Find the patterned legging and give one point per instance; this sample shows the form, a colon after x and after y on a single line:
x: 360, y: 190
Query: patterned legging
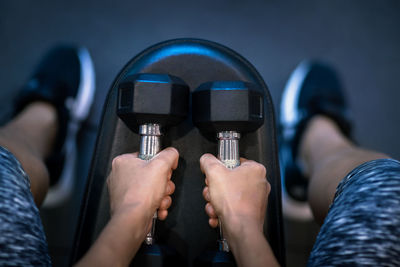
x: 361, y: 228
x: 22, y: 239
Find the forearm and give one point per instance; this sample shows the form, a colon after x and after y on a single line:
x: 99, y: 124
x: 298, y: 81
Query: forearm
x: 249, y: 246
x: 119, y: 241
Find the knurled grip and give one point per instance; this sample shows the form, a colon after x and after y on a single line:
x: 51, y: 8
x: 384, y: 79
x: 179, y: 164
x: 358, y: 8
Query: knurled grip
x: 228, y: 154
x: 150, y: 145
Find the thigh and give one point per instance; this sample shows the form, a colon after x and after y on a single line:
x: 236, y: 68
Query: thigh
x: 363, y: 223
x: 22, y: 239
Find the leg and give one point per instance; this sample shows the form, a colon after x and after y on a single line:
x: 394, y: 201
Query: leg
x: 30, y: 137
x: 51, y: 107
x: 22, y: 241
x: 362, y: 225
x: 328, y: 156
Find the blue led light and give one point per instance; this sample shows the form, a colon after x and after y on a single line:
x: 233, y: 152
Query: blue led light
x: 228, y: 89
x: 151, y: 81
x: 180, y: 49
x: 175, y: 50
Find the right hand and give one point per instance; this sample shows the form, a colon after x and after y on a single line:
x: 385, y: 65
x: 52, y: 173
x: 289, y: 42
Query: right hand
x: 144, y: 186
x: 137, y: 188
x: 237, y: 196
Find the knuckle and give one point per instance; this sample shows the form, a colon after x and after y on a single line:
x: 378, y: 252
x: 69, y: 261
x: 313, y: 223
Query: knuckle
x: 166, y: 203
x: 213, y: 167
x: 260, y: 169
x: 174, y: 152
x: 204, y: 159
x: 118, y: 161
x: 205, y: 193
x: 268, y: 186
x: 161, y: 164
x: 170, y: 188
x: 201, y: 161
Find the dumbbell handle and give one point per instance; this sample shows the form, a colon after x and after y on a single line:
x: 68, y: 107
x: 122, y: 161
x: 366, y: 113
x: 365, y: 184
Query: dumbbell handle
x: 228, y: 153
x: 150, y: 145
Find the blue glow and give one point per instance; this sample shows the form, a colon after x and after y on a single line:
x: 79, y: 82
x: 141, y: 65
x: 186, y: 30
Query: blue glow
x: 151, y: 81
x: 180, y: 49
x: 176, y: 50
x: 228, y: 89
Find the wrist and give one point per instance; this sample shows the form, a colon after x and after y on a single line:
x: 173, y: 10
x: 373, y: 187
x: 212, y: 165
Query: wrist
x: 247, y: 241
x: 141, y: 208
x: 133, y: 217
x: 236, y: 228
x: 119, y: 240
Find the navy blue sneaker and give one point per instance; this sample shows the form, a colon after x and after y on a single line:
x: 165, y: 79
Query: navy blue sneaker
x: 64, y: 78
x: 312, y: 89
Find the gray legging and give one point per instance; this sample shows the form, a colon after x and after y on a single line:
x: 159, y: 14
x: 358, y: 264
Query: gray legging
x: 362, y: 226
x: 363, y: 223
x: 22, y: 239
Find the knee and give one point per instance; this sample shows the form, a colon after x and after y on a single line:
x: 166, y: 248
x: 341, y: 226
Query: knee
x: 39, y: 178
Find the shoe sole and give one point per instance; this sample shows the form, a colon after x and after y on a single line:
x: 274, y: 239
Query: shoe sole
x: 79, y: 107
x: 291, y: 208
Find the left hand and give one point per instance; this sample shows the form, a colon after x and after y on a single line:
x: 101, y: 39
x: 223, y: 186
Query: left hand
x: 238, y: 197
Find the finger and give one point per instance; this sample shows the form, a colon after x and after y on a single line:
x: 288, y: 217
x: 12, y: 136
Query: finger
x: 131, y: 155
x: 210, y: 211
x: 108, y: 180
x: 162, y: 214
x: 208, y: 162
x: 170, y: 188
x: 213, y: 222
x: 170, y: 155
x: 165, y: 203
x: 242, y: 160
x: 246, y: 162
x: 268, y: 188
x: 206, y: 194
x: 126, y: 159
x: 254, y: 166
x: 204, y: 160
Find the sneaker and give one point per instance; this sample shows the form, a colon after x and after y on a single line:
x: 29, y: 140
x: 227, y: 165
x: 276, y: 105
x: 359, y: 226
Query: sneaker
x: 64, y: 78
x: 313, y: 88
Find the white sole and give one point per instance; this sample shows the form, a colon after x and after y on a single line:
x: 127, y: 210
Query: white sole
x: 80, y: 107
x: 291, y: 208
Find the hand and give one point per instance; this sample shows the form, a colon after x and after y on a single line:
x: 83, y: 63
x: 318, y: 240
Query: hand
x: 238, y: 196
x: 137, y: 189
x: 145, y: 185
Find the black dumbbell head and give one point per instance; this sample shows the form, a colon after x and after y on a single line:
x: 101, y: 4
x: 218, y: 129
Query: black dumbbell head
x: 228, y: 106
x: 152, y: 98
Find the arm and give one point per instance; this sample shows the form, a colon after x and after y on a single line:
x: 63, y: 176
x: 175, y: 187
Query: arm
x: 137, y: 189
x: 238, y: 198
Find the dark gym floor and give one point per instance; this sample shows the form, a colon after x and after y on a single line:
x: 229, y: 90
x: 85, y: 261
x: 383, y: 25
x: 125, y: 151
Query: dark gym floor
x: 360, y: 38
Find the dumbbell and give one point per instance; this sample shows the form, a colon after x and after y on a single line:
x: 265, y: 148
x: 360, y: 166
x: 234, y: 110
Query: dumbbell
x: 227, y: 109
x: 148, y: 104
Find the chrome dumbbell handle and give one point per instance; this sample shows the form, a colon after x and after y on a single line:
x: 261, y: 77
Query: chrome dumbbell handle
x: 150, y: 145
x: 228, y: 153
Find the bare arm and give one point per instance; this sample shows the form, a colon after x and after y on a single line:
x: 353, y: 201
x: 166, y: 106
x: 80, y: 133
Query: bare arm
x: 119, y: 241
x: 238, y: 198
x: 249, y: 246
x: 137, y: 189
